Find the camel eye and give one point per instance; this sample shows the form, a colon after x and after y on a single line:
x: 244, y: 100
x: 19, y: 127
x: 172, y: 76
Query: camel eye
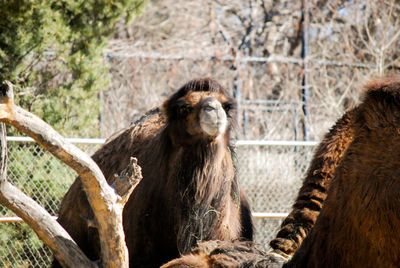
x: 228, y: 106
x: 184, y: 110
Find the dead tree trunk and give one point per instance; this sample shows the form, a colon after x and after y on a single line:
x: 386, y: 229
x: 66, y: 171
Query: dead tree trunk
x: 107, y: 202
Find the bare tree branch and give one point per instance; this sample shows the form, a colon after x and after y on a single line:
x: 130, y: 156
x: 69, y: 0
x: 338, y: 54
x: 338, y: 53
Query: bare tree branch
x: 126, y: 182
x: 106, y: 203
x: 47, y: 228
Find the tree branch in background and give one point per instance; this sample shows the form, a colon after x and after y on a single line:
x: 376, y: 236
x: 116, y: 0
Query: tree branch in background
x: 107, y: 202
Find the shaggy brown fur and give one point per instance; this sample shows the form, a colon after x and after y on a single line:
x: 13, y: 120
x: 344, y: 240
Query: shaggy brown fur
x: 226, y: 254
x: 312, y: 194
x: 360, y: 221
x: 189, y: 191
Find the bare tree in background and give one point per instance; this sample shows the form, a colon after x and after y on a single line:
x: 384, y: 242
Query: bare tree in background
x: 171, y: 43
x: 255, y: 47
x: 359, y: 39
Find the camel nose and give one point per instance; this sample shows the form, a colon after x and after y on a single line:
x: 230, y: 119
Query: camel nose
x: 213, y: 111
x: 213, y: 118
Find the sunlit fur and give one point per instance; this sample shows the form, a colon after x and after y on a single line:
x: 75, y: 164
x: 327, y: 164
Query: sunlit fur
x: 217, y: 254
x: 189, y: 190
x: 313, y: 192
x: 360, y: 221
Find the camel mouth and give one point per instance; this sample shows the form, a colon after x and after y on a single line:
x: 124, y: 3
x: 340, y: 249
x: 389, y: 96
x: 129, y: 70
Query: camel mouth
x: 213, y: 129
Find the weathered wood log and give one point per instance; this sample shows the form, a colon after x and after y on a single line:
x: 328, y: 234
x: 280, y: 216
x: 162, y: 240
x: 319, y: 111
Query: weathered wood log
x: 107, y: 202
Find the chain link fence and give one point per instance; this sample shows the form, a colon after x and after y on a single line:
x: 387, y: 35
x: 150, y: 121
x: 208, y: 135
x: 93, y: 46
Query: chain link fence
x: 44, y: 178
x: 270, y: 176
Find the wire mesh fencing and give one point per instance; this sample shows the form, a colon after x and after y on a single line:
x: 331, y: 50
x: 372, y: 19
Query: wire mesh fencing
x: 270, y: 176
x: 46, y: 179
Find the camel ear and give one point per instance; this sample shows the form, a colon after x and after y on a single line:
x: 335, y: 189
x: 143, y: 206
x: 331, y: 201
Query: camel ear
x: 164, y: 107
x: 167, y: 110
